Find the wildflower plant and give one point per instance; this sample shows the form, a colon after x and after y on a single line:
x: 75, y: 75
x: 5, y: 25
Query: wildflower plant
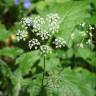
x: 38, y: 31
x: 83, y: 38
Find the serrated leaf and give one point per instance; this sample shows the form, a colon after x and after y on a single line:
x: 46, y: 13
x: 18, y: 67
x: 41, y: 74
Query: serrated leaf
x: 50, y: 63
x: 71, y: 83
x: 10, y: 52
x: 5, y: 69
x: 72, y: 13
x: 26, y: 61
x: 4, y: 33
x: 83, y: 53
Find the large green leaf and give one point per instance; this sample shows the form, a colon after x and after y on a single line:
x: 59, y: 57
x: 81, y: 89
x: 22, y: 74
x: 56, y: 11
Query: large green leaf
x: 5, y: 69
x: 71, y: 83
x: 10, y: 52
x: 50, y: 63
x: 87, y: 55
x: 4, y: 33
x: 26, y: 61
x: 72, y: 13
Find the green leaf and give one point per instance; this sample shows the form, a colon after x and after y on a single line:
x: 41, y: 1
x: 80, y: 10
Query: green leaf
x: 72, y: 13
x: 10, y: 52
x: 9, y: 2
x: 70, y: 83
x: 4, y: 33
x: 83, y: 53
x: 26, y: 61
x: 5, y: 69
x: 50, y: 63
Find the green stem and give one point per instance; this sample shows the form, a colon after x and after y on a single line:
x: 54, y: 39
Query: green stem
x: 43, y: 73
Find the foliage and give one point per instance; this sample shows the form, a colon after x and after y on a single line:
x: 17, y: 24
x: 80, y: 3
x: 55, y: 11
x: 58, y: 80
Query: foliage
x: 69, y: 69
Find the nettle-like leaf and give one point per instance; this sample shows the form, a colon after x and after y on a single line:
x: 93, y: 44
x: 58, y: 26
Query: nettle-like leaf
x: 87, y: 55
x: 26, y: 61
x: 5, y: 69
x: 4, y: 33
x: 72, y: 14
x: 34, y: 87
x: 51, y: 62
x: 83, y: 52
x: 70, y: 83
x: 11, y: 52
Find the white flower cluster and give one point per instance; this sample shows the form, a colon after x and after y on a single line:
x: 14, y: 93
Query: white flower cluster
x: 59, y: 42
x: 27, y: 21
x: 37, y: 24
x: 54, y: 22
x: 43, y: 35
x: 42, y: 27
x: 34, y: 43
x: 46, y: 27
x: 53, y: 82
x: 44, y: 49
x: 90, y: 27
x: 21, y: 35
x: 83, y: 24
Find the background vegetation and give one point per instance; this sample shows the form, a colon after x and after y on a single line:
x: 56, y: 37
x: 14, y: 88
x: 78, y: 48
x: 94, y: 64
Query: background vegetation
x: 69, y: 71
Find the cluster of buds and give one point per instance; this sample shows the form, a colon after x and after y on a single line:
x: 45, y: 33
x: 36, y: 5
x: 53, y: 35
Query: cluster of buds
x: 87, y: 34
x: 87, y: 26
x: 44, y: 49
x: 83, y: 24
x: 42, y: 27
x: 34, y: 43
x: 59, y: 42
x: 54, y: 22
x: 27, y: 21
x: 38, y: 22
x: 53, y: 82
x: 43, y: 35
x: 21, y: 35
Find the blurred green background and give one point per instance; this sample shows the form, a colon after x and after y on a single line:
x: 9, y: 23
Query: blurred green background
x: 70, y: 71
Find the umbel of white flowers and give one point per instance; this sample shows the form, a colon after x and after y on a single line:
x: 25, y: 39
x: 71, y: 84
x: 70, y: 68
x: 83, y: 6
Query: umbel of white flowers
x: 21, y: 35
x: 43, y: 28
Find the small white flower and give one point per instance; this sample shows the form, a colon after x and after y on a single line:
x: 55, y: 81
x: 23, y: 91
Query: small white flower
x: 27, y: 21
x: 44, y: 49
x: 59, y: 42
x: 43, y: 35
x: 54, y: 22
x: 21, y: 35
x: 80, y: 45
x: 90, y: 27
x: 34, y: 43
x: 52, y: 17
x: 37, y: 23
x: 72, y: 35
x: 89, y: 41
x: 82, y: 24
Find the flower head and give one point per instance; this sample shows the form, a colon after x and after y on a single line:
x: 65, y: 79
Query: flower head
x: 54, y: 22
x: 21, y: 35
x: 27, y: 21
x: 59, y: 42
x: 44, y: 49
x: 34, y: 43
x: 38, y: 22
x: 43, y: 35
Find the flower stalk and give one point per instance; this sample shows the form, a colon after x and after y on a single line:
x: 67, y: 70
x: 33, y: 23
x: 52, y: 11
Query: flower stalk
x: 43, y: 72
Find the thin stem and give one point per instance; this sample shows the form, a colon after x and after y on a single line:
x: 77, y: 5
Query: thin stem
x: 43, y: 73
